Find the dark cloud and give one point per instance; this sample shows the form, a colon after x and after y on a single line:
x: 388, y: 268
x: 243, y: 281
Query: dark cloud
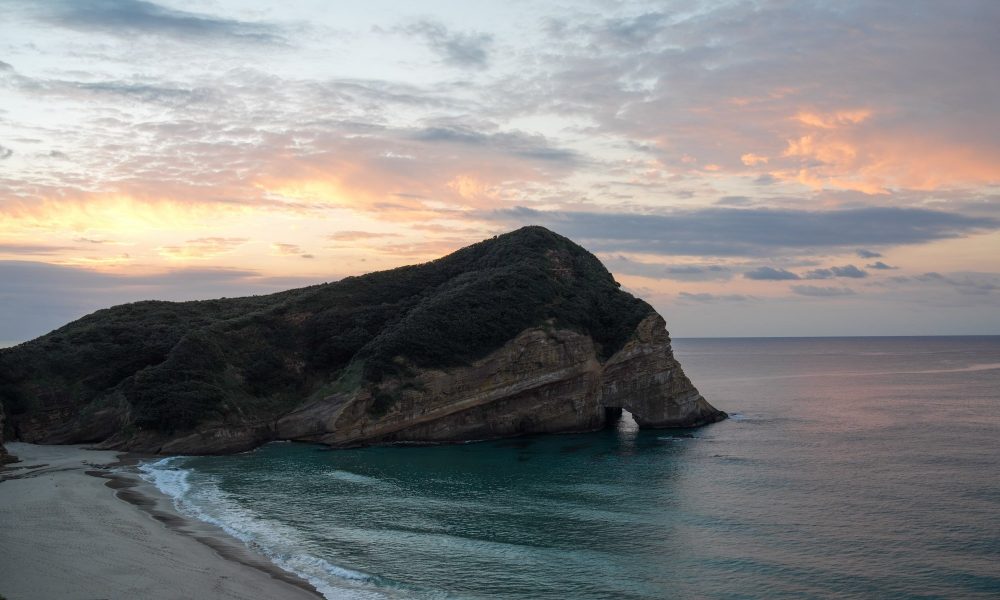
x: 632, y: 31
x: 5, y: 152
x: 136, y: 88
x: 703, y: 272
x: 770, y: 274
x: 849, y: 271
x: 863, y: 253
x: 129, y: 17
x: 880, y: 266
x: 750, y: 232
x: 469, y: 50
x: 706, y: 297
x: 821, y: 292
x: 734, y: 201
x: 975, y: 284
x: 532, y: 147
x: 146, y: 92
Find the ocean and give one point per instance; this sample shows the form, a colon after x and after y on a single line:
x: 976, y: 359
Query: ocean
x: 850, y: 468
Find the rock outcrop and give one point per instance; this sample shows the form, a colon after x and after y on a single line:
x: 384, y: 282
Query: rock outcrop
x: 542, y: 381
x: 525, y: 333
x: 5, y: 457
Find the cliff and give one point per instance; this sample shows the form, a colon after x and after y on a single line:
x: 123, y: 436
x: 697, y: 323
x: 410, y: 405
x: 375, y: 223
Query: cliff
x: 5, y: 457
x: 523, y: 333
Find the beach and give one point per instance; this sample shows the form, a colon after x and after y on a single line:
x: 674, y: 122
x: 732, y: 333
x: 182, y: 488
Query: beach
x: 74, y: 526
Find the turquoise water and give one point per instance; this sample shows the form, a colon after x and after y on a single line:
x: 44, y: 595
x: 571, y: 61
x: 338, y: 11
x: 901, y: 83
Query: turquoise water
x: 852, y: 467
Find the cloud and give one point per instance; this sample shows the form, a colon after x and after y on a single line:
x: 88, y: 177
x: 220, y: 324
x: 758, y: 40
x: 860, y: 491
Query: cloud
x: 734, y: 201
x: 282, y: 249
x: 863, y: 253
x: 162, y: 94
x: 773, y: 274
x: 203, y: 247
x: 285, y: 249
x: 822, y: 292
x: 770, y: 274
x: 750, y: 232
x: 705, y: 297
x: 5, y: 153
x: 606, y: 124
x: 33, y: 249
x: 880, y: 266
x: 34, y: 298
x: 834, y: 96
x: 127, y: 18
x: 353, y: 236
x: 700, y: 272
x: 974, y: 284
x: 752, y: 160
x: 629, y: 32
x: 459, y: 49
x: 849, y: 271
x: 532, y: 147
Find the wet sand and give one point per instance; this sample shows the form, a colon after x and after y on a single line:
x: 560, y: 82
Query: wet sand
x: 72, y: 528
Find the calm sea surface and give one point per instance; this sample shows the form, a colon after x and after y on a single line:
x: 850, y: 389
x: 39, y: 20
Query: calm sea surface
x: 851, y: 467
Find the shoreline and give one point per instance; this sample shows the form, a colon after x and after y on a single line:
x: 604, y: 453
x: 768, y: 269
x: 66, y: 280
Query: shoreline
x: 71, y: 527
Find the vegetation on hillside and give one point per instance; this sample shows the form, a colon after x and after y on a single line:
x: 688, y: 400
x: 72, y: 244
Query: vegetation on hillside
x: 179, y: 364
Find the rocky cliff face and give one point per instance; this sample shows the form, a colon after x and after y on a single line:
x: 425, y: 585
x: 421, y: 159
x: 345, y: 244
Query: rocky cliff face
x: 542, y: 381
x: 5, y: 457
x: 525, y: 333
x: 545, y: 380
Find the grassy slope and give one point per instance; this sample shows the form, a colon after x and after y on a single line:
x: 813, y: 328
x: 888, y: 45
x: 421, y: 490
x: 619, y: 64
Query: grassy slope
x: 178, y: 364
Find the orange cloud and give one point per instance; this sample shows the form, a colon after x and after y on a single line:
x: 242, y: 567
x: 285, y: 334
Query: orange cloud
x: 202, y: 248
x: 751, y: 160
x: 833, y: 120
x: 353, y: 236
x: 850, y: 150
x: 114, y: 214
x: 469, y: 187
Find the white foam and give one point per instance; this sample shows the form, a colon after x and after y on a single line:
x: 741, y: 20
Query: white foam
x: 172, y: 482
x: 355, y: 478
x: 281, y: 544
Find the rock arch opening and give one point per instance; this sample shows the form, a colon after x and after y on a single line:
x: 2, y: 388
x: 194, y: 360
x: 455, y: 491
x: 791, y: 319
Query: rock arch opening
x: 616, y: 417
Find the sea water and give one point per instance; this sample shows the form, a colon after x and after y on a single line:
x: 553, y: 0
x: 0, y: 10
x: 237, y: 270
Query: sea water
x: 851, y: 467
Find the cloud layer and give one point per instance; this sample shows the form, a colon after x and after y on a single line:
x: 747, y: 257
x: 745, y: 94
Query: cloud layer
x: 720, y: 157
x: 753, y: 232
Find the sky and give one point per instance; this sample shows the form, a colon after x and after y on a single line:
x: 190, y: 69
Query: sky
x: 750, y: 168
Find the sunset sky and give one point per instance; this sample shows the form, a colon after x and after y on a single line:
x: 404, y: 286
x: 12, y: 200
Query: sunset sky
x: 763, y: 168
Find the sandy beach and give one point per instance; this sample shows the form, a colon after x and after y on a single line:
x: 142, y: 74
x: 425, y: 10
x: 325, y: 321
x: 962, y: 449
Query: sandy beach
x: 71, y: 528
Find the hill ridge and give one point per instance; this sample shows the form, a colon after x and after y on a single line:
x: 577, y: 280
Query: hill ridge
x: 163, y: 369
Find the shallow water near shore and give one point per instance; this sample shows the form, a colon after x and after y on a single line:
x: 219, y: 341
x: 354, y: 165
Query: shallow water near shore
x: 851, y: 467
